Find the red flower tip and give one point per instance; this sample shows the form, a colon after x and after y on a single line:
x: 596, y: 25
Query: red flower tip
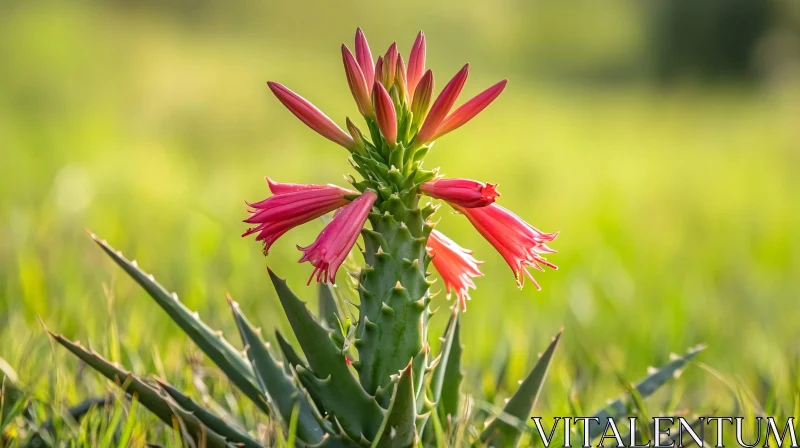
x: 385, y: 113
x: 416, y: 63
x: 520, y: 244
x: 470, y: 109
x: 422, y: 97
x: 333, y: 244
x: 358, y: 84
x: 441, y: 107
x: 462, y: 192
x: 290, y: 206
x: 310, y: 115
x: 364, y: 57
x: 455, y: 264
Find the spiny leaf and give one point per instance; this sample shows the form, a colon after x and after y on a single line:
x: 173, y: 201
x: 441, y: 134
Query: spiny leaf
x: 293, y: 360
x: 446, y: 381
x: 215, y: 423
x: 289, y: 354
x: 329, y: 378
x: 276, y: 385
x: 440, y: 372
x: 328, y: 310
x: 501, y: 433
x: 398, y: 428
x: 150, y: 397
x: 451, y: 386
x: 645, y: 388
x: 221, y: 352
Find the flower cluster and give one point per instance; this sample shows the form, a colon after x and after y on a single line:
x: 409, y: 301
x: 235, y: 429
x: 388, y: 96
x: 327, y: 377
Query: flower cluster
x: 403, y: 120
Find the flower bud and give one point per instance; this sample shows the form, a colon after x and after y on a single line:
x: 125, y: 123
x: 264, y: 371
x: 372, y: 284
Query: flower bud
x: 422, y: 98
x: 384, y: 113
x: 463, y: 192
x: 310, y: 115
x: 416, y: 63
x: 358, y: 85
x: 441, y: 107
x: 364, y: 57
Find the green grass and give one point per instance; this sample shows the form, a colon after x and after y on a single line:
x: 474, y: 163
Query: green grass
x: 677, y: 209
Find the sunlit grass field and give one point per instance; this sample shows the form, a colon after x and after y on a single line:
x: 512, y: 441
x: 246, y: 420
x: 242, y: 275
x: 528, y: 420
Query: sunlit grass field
x: 678, y: 208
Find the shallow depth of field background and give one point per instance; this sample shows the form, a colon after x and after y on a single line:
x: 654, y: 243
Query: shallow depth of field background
x: 663, y: 142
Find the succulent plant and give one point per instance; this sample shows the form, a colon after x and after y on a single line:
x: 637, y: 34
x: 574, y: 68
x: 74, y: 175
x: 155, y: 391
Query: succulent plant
x: 374, y: 382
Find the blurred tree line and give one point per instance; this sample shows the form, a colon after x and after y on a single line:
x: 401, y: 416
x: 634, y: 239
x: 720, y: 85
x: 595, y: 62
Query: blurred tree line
x: 614, y: 42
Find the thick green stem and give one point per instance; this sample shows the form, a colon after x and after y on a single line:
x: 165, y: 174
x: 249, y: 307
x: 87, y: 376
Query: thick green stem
x: 394, y: 296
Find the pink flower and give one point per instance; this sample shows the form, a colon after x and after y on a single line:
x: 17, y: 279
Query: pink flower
x: 292, y: 205
x: 358, y: 85
x: 464, y: 192
x: 311, y: 116
x: 469, y: 109
x: 384, y: 113
x: 441, y: 107
x: 364, y: 57
x: 333, y: 244
x: 416, y: 63
x: 518, y: 242
x: 455, y: 264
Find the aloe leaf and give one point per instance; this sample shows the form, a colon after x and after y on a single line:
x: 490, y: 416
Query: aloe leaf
x: 293, y: 360
x: 225, y: 429
x: 398, y: 428
x: 289, y: 353
x: 645, y: 388
x: 277, y: 386
x: 328, y: 310
x: 440, y: 371
x: 330, y: 378
x: 451, y: 384
x: 211, y: 342
x: 500, y: 432
x: 150, y: 397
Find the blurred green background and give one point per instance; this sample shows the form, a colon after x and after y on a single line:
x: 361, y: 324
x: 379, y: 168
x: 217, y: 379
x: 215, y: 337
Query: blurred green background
x: 661, y: 139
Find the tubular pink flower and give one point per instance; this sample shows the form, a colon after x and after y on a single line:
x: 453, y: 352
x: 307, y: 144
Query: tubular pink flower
x: 310, y: 115
x: 384, y: 113
x: 455, y: 264
x: 416, y: 63
x: 441, y: 107
x: 463, y: 192
x: 470, y: 109
x: 364, y: 57
x: 292, y: 205
x: 518, y: 242
x: 331, y: 247
x: 358, y: 85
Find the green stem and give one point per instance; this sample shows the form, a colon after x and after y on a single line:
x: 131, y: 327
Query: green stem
x: 394, y: 296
